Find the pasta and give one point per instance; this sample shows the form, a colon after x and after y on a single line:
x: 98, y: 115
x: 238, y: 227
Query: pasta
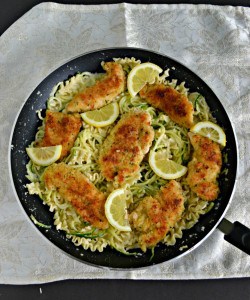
x: 83, y: 156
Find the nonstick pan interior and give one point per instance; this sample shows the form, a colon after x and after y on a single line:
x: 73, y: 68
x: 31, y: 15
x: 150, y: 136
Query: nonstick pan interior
x: 26, y: 127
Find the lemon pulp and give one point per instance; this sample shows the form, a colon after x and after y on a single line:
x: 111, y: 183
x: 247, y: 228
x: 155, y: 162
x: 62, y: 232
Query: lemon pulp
x: 44, y: 156
x: 116, y: 210
x: 164, y: 167
x: 140, y: 75
x: 211, y: 131
x: 102, y: 117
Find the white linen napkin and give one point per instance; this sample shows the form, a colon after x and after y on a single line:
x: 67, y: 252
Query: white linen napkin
x: 212, y: 40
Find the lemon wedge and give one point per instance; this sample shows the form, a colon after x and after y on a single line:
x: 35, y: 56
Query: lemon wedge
x: 102, y: 117
x: 164, y: 167
x: 116, y: 210
x: 44, y: 156
x: 211, y: 131
x: 140, y: 75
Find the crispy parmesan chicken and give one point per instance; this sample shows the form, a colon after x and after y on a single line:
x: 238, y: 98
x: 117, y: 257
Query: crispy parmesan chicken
x: 102, y: 92
x: 124, y: 149
x: 204, y: 167
x: 154, y: 216
x: 170, y: 101
x: 74, y: 187
x: 60, y: 129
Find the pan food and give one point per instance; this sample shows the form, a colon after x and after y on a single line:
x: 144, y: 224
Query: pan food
x: 132, y: 147
x: 132, y: 153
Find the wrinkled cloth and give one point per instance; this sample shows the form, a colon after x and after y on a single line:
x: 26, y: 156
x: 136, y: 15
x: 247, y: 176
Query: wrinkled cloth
x: 213, y: 41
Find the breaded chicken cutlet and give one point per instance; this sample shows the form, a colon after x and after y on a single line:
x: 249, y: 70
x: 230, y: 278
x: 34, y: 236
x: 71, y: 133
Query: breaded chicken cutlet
x: 173, y: 103
x: 60, y: 129
x: 74, y: 187
x: 124, y: 149
x: 204, y: 167
x: 102, y: 92
x: 154, y: 216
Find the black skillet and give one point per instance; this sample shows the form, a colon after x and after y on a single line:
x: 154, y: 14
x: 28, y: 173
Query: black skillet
x: 24, y: 133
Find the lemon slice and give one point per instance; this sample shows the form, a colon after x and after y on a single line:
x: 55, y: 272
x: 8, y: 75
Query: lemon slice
x: 102, y: 117
x: 164, y: 167
x: 140, y: 75
x: 211, y: 131
x: 116, y: 210
x: 44, y: 156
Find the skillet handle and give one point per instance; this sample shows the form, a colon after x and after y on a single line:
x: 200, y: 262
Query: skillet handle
x: 236, y: 234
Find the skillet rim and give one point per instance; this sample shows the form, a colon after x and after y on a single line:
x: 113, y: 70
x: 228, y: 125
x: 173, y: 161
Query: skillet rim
x: 161, y: 56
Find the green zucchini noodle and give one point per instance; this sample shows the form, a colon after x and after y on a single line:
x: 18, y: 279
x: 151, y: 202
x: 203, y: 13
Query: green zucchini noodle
x: 202, y: 111
x: 170, y: 138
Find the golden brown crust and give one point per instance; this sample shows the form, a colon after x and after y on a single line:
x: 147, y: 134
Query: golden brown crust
x: 174, y: 104
x: 154, y: 216
x: 172, y: 201
x: 60, y: 129
x: 204, y: 167
x: 125, y: 147
x: 74, y: 187
x: 102, y: 92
